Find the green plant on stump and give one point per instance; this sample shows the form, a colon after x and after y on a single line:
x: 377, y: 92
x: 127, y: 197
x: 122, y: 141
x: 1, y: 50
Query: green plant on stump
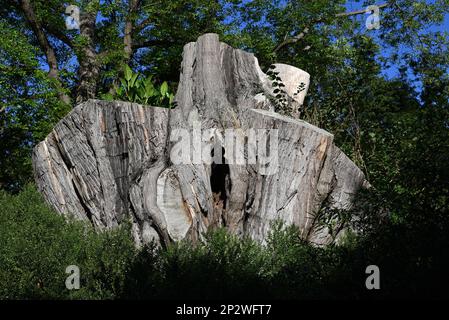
x: 136, y: 88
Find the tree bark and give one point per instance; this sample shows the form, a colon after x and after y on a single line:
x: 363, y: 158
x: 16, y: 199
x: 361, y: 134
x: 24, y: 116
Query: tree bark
x: 89, y: 69
x: 129, y: 28
x: 110, y: 161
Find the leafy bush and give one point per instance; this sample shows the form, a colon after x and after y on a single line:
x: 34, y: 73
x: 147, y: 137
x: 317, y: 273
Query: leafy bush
x: 135, y: 88
x: 38, y: 245
x: 221, y: 266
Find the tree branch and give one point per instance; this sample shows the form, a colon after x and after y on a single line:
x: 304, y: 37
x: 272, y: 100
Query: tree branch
x: 292, y: 40
x: 306, y: 29
x: 58, y: 34
x: 147, y: 21
x: 143, y: 25
x: 153, y: 43
x: 353, y: 13
x: 45, y: 46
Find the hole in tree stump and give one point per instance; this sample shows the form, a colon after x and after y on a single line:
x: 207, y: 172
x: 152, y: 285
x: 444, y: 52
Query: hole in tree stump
x: 220, y: 179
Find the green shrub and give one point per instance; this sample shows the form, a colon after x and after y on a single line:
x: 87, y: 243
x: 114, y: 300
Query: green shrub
x: 221, y: 266
x: 38, y: 245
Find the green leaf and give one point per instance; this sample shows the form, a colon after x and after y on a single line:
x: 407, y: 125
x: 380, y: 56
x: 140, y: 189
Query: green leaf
x: 119, y: 91
x: 132, y: 82
x: 128, y: 73
x: 142, y: 93
x: 107, y: 97
x: 164, y: 89
x: 149, y: 87
x: 124, y: 83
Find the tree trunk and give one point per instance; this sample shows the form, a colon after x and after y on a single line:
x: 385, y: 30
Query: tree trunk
x: 128, y: 49
x: 45, y: 46
x: 129, y: 28
x: 109, y: 161
x: 89, y: 69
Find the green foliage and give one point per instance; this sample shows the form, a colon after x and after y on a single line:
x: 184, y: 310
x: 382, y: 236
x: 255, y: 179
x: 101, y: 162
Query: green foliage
x: 280, y: 100
x: 38, y: 245
x: 29, y: 106
x: 282, y: 103
x: 136, y: 88
x: 221, y: 266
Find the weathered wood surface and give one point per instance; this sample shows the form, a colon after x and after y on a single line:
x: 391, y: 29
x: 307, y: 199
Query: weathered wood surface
x: 110, y: 161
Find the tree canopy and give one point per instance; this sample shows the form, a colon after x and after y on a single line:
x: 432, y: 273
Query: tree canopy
x: 48, y: 68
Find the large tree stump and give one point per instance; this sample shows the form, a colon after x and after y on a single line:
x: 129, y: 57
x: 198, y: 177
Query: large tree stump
x: 110, y: 161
